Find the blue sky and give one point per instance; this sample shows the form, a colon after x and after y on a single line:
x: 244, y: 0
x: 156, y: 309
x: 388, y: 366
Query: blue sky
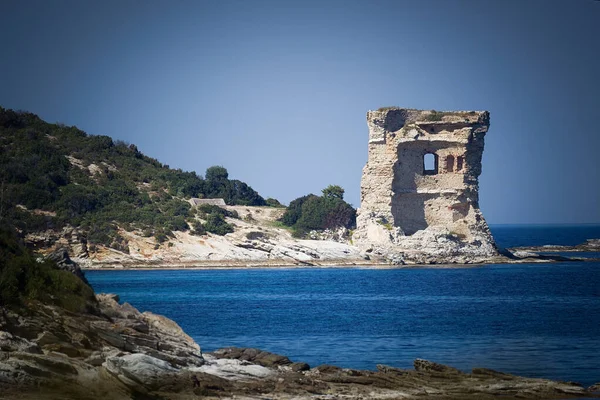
x: 277, y: 91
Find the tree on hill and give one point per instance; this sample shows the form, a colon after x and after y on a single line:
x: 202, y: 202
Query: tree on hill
x: 271, y: 202
x: 216, y: 173
x: 294, y: 210
x: 333, y: 192
x: 234, y: 192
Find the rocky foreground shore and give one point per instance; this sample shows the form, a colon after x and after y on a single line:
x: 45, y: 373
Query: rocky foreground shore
x: 116, y: 352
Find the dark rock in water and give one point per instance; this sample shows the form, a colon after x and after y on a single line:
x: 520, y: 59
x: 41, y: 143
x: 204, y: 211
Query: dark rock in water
x: 255, y: 356
x: 430, y: 366
x: 590, y: 245
x: 64, y: 262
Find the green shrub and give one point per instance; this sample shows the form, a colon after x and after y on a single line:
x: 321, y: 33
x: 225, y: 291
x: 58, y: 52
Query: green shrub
x: 177, y: 224
x: 383, y: 222
x: 161, y: 237
x: 294, y: 210
x: 274, y: 203
x: 312, y: 212
x: 333, y: 192
x: 22, y: 279
x: 435, y: 116
x: 206, y: 209
x: 198, y: 228
x: 215, y: 223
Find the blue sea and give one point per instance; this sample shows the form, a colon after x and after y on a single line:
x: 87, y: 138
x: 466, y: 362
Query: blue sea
x: 538, y: 320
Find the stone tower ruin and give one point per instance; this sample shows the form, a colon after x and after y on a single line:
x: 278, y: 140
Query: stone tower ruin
x: 419, y: 189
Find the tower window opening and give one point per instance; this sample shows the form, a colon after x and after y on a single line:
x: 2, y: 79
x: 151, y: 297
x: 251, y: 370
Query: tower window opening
x: 459, y: 163
x: 450, y: 163
x: 430, y: 164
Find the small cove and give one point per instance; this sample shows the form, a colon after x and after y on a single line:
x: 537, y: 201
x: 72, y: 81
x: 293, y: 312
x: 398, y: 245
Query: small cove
x: 534, y: 320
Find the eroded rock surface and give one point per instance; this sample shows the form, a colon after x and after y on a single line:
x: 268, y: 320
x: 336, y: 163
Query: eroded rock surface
x: 419, y: 190
x: 113, y: 348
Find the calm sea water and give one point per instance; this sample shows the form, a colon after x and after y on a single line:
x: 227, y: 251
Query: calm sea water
x: 539, y: 235
x: 534, y: 320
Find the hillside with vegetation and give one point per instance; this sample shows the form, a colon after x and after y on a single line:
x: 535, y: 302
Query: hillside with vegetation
x: 52, y: 176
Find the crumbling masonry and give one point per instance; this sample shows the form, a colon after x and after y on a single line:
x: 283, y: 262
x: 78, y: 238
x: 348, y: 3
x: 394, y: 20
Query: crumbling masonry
x: 419, y: 189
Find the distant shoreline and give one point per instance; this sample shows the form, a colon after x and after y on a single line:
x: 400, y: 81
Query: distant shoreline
x: 324, y: 266
x: 516, y: 255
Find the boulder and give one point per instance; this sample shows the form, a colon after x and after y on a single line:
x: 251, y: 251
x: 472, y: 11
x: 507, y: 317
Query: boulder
x: 299, y: 366
x: 12, y: 343
x: 141, y: 369
x: 64, y: 348
x: 64, y: 262
x: 47, y: 338
x: 58, y: 365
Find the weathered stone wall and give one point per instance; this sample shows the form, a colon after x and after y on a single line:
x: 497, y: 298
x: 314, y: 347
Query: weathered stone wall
x: 213, y: 202
x: 408, y: 213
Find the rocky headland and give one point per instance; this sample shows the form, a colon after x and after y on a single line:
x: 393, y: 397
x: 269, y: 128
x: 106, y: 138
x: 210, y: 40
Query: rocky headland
x: 260, y: 241
x: 111, y: 206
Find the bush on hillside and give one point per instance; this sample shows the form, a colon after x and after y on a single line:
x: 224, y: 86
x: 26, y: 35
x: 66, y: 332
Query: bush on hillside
x: 271, y: 202
x: 312, y: 212
x: 23, y: 278
x: 205, y: 209
x: 198, y: 229
x: 215, y: 223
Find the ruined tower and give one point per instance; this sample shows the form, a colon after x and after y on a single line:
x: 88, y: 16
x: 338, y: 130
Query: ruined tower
x: 419, y: 189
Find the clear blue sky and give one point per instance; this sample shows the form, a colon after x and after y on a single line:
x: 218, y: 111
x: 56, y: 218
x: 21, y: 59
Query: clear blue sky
x: 277, y: 91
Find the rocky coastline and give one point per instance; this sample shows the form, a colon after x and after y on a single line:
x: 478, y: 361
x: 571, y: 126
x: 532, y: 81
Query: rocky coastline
x: 258, y: 242
x: 590, y: 245
x: 114, y: 351
x: 117, y: 352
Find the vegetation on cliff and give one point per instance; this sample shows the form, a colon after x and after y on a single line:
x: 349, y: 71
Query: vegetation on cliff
x: 312, y: 212
x: 24, y: 278
x: 53, y: 175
